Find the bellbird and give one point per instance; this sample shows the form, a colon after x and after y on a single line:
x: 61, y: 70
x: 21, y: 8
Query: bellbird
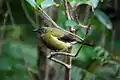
x: 56, y: 39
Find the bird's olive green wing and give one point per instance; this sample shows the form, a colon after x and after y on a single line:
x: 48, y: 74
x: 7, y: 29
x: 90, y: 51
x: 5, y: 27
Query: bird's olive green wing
x: 61, y: 35
x: 54, y: 43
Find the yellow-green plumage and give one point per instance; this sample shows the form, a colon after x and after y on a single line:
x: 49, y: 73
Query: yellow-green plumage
x: 51, y: 37
x: 53, y: 42
x: 55, y: 32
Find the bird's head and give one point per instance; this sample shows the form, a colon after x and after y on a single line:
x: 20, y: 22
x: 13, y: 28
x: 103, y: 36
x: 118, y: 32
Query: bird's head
x: 41, y: 30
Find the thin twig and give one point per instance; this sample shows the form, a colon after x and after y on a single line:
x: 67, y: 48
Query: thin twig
x: 78, y: 21
x: 60, y: 62
x: 67, y: 10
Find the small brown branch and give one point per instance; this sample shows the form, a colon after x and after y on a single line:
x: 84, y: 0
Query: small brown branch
x: 67, y: 12
x: 60, y: 62
x: 78, y: 21
x: 81, y: 25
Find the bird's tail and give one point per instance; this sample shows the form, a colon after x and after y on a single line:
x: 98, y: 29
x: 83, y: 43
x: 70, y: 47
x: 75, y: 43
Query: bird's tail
x: 85, y: 43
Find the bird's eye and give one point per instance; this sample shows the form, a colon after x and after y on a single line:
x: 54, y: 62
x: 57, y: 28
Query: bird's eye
x: 44, y: 31
x: 41, y: 30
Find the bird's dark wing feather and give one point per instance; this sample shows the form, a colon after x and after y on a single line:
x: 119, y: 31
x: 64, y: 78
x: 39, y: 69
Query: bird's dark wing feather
x: 67, y: 38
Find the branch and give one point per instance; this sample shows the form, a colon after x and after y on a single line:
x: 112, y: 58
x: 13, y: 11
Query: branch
x: 78, y: 21
x: 69, y: 58
x: 67, y: 12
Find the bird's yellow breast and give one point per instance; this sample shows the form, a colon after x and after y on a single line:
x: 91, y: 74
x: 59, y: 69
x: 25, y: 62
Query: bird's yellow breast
x: 53, y: 42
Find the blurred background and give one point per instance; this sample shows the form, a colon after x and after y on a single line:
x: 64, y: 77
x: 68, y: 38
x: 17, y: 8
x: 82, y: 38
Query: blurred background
x: 22, y: 54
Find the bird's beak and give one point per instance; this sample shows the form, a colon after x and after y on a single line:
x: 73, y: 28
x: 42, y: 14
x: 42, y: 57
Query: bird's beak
x: 40, y: 30
x: 35, y: 30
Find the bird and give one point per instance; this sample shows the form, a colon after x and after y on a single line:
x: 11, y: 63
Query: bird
x: 57, y: 39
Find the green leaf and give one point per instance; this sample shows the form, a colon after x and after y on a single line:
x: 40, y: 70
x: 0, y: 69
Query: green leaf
x: 39, y: 2
x: 31, y: 2
x: 104, y: 19
x: 15, y: 51
x: 76, y: 73
x: 4, y: 64
x: 47, y: 3
x: 93, y: 3
x: 70, y: 23
x: 101, y: 0
x: 19, y: 67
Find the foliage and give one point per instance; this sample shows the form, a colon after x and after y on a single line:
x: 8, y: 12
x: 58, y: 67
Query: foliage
x: 12, y: 64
